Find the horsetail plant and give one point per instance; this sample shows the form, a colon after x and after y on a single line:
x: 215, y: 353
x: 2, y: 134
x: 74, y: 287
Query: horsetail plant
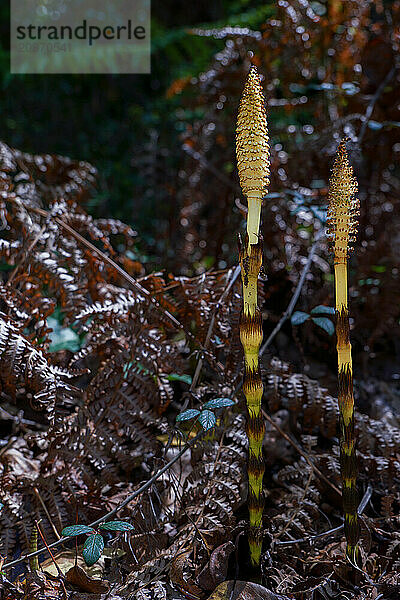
x: 252, y: 151
x: 342, y: 224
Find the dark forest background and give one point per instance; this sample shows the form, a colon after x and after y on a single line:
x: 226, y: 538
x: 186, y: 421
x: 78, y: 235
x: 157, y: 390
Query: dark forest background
x: 118, y: 121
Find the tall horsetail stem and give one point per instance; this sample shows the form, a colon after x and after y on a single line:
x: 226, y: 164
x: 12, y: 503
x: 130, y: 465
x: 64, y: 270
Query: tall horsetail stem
x: 252, y: 151
x: 342, y: 224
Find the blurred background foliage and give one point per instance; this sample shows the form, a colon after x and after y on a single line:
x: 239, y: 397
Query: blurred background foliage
x: 113, y: 120
x: 163, y: 145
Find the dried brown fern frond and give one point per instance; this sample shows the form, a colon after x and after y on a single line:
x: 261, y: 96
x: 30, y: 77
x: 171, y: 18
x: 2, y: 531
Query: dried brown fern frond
x: 296, y: 504
x: 206, y: 499
x: 196, y: 299
x: 111, y: 438
x: 26, y: 498
x: 124, y: 419
x: 53, y: 176
x: 12, y: 304
x: 213, y: 489
x: 46, y: 261
x: 133, y: 366
x: 49, y: 272
x: 25, y: 370
x: 315, y: 411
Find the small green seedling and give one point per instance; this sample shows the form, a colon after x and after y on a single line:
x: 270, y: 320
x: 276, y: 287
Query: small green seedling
x: 94, y: 545
x: 205, y: 416
x: 325, y: 323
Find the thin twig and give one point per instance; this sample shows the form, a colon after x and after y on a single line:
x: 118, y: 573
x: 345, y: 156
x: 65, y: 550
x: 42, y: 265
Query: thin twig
x: 29, y: 250
x: 59, y: 572
x: 5, y: 415
x: 48, y: 549
x: 211, y: 326
x: 371, y: 105
x: 127, y: 500
x: 310, y: 537
x: 296, y: 294
x: 39, y: 497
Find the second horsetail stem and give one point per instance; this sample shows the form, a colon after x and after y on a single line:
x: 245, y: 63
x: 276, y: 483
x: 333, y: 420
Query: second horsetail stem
x: 342, y: 224
x: 252, y: 151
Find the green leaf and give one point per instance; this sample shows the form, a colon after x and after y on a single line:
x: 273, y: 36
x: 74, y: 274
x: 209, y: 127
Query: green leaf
x: 92, y: 549
x: 218, y: 403
x: 207, y: 419
x: 378, y: 268
x: 325, y: 324
x: 299, y: 317
x: 175, y: 377
x: 116, y: 526
x: 188, y: 414
x: 76, y: 530
x: 323, y: 310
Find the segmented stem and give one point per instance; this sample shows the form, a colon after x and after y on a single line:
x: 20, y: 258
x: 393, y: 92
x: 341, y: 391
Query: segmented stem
x: 253, y: 165
x: 348, y: 460
x: 33, y: 546
x: 251, y: 338
x: 342, y: 211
